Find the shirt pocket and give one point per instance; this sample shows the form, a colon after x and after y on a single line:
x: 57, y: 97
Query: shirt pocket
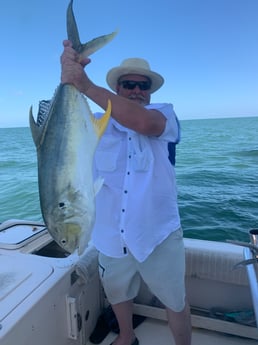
x: 106, y: 155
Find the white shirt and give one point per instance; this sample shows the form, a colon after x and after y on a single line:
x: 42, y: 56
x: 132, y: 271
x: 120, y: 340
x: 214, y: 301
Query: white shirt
x: 136, y: 208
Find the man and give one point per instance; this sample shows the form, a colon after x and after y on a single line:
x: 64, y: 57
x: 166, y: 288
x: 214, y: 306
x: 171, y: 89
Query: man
x: 137, y: 230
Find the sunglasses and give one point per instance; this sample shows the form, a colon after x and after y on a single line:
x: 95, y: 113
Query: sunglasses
x: 131, y: 84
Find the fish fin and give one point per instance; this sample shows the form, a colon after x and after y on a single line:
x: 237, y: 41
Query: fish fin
x: 83, y: 244
x: 98, y: 185
x: 71, y: 27
x: 92, y: 46
x: 35, y: 129
x: 38, y: 128
x: 73, y: 35
x: 101, y: 124
x: 44, y: 107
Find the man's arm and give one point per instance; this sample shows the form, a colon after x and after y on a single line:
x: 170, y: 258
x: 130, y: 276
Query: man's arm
x: 128, y: 113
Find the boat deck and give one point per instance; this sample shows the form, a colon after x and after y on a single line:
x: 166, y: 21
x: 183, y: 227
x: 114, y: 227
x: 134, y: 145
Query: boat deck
x: 156, y: 332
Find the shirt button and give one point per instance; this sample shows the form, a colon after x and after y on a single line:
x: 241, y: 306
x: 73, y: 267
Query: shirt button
x: 125, y: 191
x: 122, y: 231
x: 123, y: 210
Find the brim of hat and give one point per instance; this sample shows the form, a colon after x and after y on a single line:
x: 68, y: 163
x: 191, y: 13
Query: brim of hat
x: 115, y: 73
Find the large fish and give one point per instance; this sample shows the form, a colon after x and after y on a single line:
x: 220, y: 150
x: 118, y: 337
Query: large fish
x: 66, y: 138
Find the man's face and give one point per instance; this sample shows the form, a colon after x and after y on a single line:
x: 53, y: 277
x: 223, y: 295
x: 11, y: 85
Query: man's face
x: 138, y: 92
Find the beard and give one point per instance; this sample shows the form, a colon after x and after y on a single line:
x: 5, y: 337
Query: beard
x: 139, y: 99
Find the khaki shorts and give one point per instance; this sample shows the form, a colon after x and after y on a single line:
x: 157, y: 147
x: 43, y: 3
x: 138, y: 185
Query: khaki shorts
x: 163, y: 272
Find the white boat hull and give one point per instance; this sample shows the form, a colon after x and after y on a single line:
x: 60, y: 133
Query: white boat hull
x: 49, y: 297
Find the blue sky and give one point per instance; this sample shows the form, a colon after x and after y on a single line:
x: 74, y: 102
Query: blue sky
x: 207, y: 51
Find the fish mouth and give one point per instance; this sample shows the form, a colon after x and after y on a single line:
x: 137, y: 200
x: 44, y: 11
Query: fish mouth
x: 71, y: 239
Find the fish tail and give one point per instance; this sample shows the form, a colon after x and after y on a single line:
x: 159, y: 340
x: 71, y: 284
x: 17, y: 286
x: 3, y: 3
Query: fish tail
x: 101, y: 124
x: 92, y: 46
x: 35, y: 130
x: 88, y: 48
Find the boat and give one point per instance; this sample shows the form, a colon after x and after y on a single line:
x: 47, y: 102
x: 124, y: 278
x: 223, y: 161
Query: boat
x: 48, y: 296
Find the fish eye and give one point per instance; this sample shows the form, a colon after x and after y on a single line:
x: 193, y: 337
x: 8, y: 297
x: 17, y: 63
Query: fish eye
x: 63, y: 241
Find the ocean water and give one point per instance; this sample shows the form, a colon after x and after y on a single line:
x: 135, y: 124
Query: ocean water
x: 217, y: 177
x: 217, y: 174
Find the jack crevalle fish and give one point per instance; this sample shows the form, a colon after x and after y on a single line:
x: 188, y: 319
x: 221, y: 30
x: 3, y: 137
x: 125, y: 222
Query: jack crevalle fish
x: 66, y: 137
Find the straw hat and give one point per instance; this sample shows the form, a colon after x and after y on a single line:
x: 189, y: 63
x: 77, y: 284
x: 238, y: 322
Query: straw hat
x: 134, y: 66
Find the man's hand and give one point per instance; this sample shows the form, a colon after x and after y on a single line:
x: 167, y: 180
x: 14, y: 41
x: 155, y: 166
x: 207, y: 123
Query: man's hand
x: 73, y: 68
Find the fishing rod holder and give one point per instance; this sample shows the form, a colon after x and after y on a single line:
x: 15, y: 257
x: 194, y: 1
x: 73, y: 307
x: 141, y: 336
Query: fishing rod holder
x: 253, y: 233
x: 250, y: 262
x: 251, y: 253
